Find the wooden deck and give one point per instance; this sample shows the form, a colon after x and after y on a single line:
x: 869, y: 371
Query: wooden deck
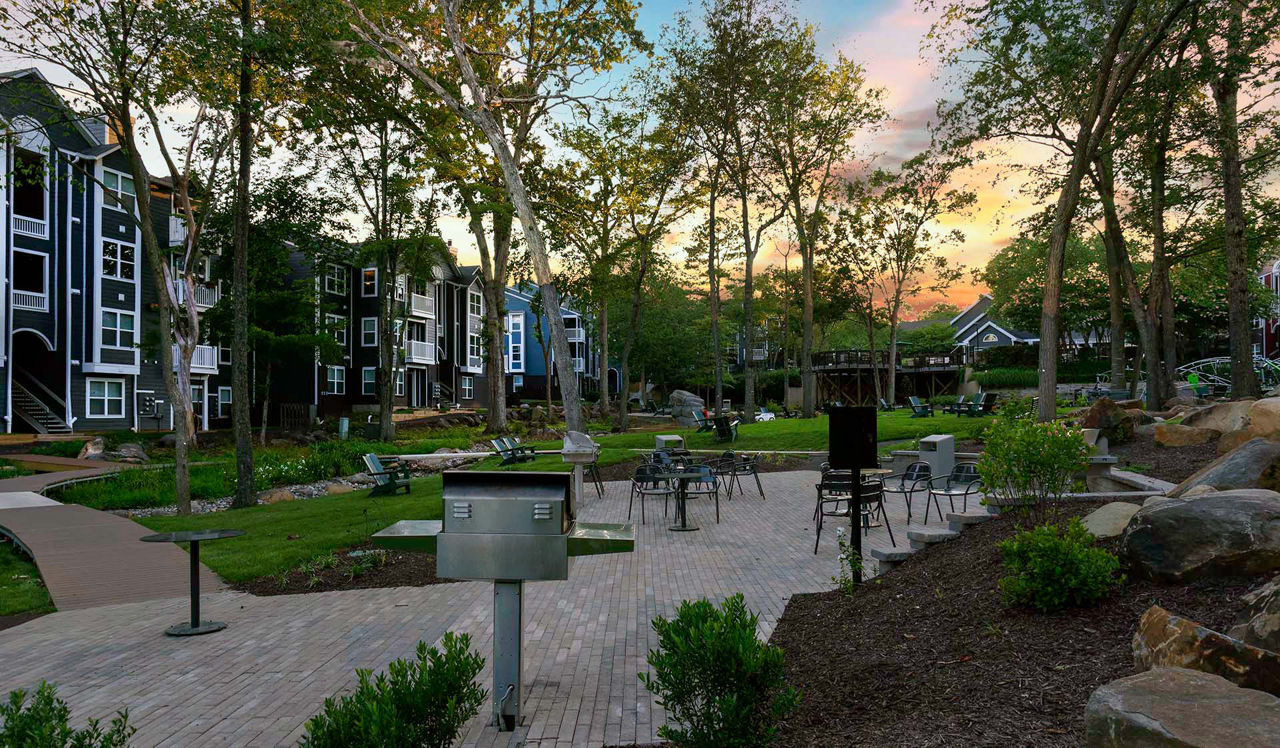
x: 90, y: 558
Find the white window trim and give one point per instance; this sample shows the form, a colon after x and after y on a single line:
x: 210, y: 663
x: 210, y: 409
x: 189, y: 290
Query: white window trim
x: 467, y: 388
x: 88, y: 388
x: 102, y: 260
x: 399, y: 384
x: 119, y: 313
x: 328, y: 384
x: 44, y: 257
x: 337, y: 323
x: 364, y: 381
x: 224, y: 398
x: 363, y: 332
x: 222, y: 360
x: 513, y: 366
x: 375, y: 283
x: 106, y: 191
x: 41, y: 150
x: 328, y: 277
x: 517, y: 382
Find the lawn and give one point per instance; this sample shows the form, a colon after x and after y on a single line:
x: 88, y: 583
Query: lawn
x: 554, y: 463
x: 281, y: 536
x: 21, y: 590
x: 804, y: 434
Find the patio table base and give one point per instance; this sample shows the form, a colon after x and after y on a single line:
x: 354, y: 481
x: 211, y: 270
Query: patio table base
x: 186, y: 629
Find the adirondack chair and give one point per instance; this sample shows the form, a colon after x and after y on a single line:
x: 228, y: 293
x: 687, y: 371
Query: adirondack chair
x: 511, y: 451
x: 984, y: 406
x: 885, y: 407
x: 919, y: 409
x: 703, y: 423
x: 726, y: 431
x: 956, y: 407
x: 389, y: 477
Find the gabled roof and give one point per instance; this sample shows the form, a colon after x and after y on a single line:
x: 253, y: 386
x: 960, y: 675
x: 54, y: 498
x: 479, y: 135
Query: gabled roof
x: 525, y: 293
x: 95, y: 143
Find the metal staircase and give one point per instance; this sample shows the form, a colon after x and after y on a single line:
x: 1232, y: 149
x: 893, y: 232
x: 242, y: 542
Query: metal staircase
x: 32, y: 409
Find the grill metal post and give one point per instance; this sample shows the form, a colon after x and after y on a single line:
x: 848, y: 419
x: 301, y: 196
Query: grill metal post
x: 508, y: 623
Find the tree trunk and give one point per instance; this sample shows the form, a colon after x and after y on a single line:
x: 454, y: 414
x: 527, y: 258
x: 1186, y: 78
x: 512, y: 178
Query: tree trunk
x: 602, y: 315
x: 748, y: 315
x: 495, y: 357
x: 1115, y: 292
x: 806, y: 320
x: 241, y: 397
x: 388, y: 345
x: 871, y: 350
x: 1226, y: 90
x: 891, y: 365
x: 624, y: 372
x: 266, y: 403
x: 713, y: 289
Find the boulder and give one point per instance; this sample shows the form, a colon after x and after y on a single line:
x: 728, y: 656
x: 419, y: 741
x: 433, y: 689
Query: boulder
x: 1239, y: 468
x: 1177, y: 435
x: 168, y: 441
x: 1223, y: 417
x: 1227, y: 533
x: 337, y: 489
x: 1198, y: 491
x: 1109, y: 520
x: 276, y: 496
x: 1184, y: 401
x: 1140, y: 417
x: 1137, y: 404
x: 1150, y: 500
x: 1111, y: 420
x: 1259, y: 623
x: 1166, y: 640
x: 683, y: 405
x: 129, y: 452
x: 1264, y: 417
x: 1232, y: 439
x: 1167, y: 707
x: 93, y: 449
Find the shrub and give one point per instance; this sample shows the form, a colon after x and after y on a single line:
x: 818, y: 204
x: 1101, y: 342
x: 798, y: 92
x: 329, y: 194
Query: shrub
x: 1007, y: 378
x: 43, y: 723
x: 944, y: 399
x: 59, y: 449
x: 1030, y: 464
x: 1052, y: 570
x: 415, y: 703
x: 719, y: 684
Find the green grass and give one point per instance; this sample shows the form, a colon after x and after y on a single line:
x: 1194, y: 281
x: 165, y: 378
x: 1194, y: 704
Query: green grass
x: 11, y: 469
x: 142, y: 488
x: 281, y: 536
x: 21, y: 590
x: 803, y: 434
x: 553, y: 463
x: 59, y: 449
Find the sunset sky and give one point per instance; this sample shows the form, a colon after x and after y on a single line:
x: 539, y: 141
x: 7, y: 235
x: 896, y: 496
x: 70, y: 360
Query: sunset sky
x: 885, y: 36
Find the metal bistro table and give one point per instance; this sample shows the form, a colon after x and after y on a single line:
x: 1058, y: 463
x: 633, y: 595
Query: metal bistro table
x: 682, y: 477
x: 194, y: 537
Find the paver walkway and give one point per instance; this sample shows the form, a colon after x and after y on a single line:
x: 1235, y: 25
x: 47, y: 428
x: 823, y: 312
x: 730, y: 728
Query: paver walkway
x: 585, y: 639
x: 90, y: 558
x: 60, y: 469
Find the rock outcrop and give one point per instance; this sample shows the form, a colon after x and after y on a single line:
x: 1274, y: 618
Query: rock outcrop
x: 1177, y: 435
x: 1227, y: 533
x: 1259, y: 623
x: 1167, y: 640
x: 1111, y: 421
x: 1221, y: 417
x: 1109, y: 521
x: 683, y: 405
x: 1239, y: 468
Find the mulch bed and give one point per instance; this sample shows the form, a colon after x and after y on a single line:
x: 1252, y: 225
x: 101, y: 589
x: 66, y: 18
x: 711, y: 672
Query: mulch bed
x: 1174, y: 464
x: 17, y: 619
x: 370, y: 568
x: 926, y: 654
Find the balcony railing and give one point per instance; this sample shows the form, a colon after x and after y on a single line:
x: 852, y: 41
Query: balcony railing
x: 206, y: 296
x: 420, y: 352
x: 579, y: 365
x: 31, y: 301
x: 177, y: 230
x: 204, y: 359
x: 37, y: 227
x: 422, y: 306
x: 852, y: 359
x: 576, y: 334
x: 759, y: 354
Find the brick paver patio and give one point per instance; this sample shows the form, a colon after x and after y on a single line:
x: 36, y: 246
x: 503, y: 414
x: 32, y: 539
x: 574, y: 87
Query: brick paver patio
x: 585, y: 639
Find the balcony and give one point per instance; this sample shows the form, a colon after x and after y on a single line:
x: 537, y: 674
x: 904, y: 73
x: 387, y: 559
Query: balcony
x: 31, y: 301
x: 206, y: 296
x: 204, y: 359
x: 421, y: 306
x: 579, y: 365
x: 420, y: 352
x: 177, y: 230
x: 759, y: 354
x: 576, y: 334
x: 37, y: 227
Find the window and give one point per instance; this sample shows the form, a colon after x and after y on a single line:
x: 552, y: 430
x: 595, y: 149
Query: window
x: 106, y: 398
x: 369, y: 282
x: 224, y: 354
x: 224, y: 402
x: 990, y: 338
x: 117, y: 329
x: 30, y: 185
x: 335, y: 279
x: 335, y: 380
x: 468, y: 388
x: 399, y: 382
x: 473, y: 351
x: 515, y: 341
x: 118, y: 191
x: 117, y: 260
x: 337, y: 325
x: 474, y: 305
x: 369, y: 380
x: 30, y: 280
x: 369, y: 331
x: 400, y: 284
x: 517, y: 382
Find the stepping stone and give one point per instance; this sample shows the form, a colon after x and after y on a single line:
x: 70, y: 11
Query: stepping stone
x: 886, y: 560
x: 958, y: 521
x: 923, y: 537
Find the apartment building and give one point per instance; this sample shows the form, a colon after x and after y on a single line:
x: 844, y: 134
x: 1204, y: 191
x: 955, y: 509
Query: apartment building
x: 526, y: 356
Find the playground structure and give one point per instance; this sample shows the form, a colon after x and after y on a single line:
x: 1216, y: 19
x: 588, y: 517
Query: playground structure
x: 1214, y: 374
